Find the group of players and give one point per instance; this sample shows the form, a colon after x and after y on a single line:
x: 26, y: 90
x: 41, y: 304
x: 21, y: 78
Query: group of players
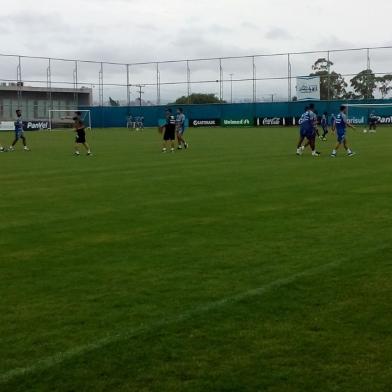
x: 173, y: 129
x: 79, y: 128
x: 308, y: 131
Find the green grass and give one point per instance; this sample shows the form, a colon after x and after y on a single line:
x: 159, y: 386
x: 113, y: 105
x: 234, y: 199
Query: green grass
x: 232, y: 266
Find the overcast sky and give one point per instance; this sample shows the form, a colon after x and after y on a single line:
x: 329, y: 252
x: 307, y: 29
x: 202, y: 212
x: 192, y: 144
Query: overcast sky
x: 144, y: 30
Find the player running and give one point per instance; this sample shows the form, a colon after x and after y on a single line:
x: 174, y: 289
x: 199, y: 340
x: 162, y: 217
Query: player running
x: 169, y: 135
x: 19, y: 133
x: 341, y: 124
x: 308, y: 123
x: 80, y: 135
x: 180, y: 129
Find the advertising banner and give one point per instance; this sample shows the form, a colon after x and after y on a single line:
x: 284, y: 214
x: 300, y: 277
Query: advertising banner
x: 243, y: 122
x: 201, y: 122
x: 308, y: 88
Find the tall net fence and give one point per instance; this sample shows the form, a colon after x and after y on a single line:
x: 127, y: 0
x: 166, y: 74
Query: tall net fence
x: 37, y: 84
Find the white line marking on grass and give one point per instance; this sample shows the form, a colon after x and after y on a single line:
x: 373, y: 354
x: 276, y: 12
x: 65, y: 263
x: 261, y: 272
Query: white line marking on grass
x: 49, y: 362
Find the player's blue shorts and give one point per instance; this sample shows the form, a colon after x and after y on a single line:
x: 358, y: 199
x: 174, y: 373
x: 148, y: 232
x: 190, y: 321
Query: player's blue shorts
x: 18, y: 133
x: 341, y: 136
x: 181, y: 130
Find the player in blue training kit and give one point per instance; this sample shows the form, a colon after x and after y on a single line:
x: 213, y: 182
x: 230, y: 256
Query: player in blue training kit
x: 341, y: 125
x: 180, y: 129
x: 324, y: 125
x: 308, y: 124
x: 19, y: 133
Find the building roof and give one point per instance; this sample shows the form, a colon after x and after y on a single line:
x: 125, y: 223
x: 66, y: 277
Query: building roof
x: 82, y: 90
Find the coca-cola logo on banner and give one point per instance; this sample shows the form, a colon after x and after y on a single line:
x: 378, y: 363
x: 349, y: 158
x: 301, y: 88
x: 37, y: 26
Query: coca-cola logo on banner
x: 270, y: 121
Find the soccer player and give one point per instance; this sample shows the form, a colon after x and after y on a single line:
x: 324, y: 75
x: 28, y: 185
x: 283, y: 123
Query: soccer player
x: 333, y: 122
x: 341, y: 124
x: 308, y: 123
x: 169, y: 135
x: 324, y: 125
x: 373, y: 120
x: 180, y: 129
x: 19, y: 133
x: 80, y: 135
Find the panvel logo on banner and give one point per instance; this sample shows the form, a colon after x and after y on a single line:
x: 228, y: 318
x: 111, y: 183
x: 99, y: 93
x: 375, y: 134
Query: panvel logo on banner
x: 384, y: 119
x: 35, y: 125
x: 215, y: 122
x: 243, y: 122
x: 308, y: 88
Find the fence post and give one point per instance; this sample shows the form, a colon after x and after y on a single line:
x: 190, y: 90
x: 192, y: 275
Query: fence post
x: 158, y: 86
x: 128, y: 91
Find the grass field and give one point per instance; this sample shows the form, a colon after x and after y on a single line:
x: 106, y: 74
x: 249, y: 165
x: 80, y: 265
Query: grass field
x: 232, y: 266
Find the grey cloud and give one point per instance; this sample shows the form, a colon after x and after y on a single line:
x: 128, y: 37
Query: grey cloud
x: 278, y: 33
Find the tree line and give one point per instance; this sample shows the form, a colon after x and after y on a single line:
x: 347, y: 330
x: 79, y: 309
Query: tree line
x: 363, y: 85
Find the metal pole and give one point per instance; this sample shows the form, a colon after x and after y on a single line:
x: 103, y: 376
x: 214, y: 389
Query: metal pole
x: 329, y: 77
x: 128, y: 91
x: 19, y: 81
x: 220, y: 80
x: 49, y: 83
x: 188, y: 81
x: 100, y: 75
x: 289, y: 77
x: 254, y: 80
x: 75, y: 75
x: 158, y: 87
x: 231, y: 88
x: 368, y: 93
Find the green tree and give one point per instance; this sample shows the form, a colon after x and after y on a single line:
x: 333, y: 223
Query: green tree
x: 384, y: 85
x: 364, y: 84
x: 332, y: 84
x: 198, y: 99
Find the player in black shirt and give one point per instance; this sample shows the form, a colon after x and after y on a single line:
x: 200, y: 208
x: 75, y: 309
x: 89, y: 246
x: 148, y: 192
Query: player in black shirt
x: 80, y: 135
x: 169, y: 135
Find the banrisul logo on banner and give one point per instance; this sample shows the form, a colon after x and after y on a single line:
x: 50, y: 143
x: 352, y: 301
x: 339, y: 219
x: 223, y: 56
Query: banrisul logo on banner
x: 308, y: 88
x: 215, y: 122
x: 243, y: 122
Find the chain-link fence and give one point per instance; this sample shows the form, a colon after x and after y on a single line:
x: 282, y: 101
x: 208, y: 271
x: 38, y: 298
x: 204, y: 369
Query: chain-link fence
x: 38, y: 84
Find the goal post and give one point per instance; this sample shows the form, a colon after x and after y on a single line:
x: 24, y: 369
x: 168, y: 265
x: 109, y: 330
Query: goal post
x: 63, y: 118
x: 369, y: 113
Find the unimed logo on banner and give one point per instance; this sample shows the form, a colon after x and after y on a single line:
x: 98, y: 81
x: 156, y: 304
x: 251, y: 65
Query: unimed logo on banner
x: 243, y: 122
